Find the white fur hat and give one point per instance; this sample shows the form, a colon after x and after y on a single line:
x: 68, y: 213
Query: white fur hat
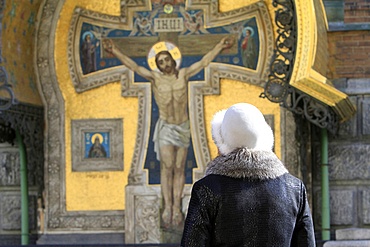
x: 241, y: 125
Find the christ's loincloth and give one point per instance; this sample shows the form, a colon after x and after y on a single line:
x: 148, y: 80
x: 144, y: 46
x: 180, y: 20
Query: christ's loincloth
x: 171, y: 134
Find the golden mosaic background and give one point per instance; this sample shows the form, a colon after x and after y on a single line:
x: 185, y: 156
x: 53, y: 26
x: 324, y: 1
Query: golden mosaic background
x: 18, y: 34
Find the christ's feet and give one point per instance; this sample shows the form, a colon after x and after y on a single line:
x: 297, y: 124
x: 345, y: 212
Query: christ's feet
x: 166, y: 217
x: 177, y: 216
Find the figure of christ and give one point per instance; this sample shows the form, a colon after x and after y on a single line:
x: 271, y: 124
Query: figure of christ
x: 172, y: 131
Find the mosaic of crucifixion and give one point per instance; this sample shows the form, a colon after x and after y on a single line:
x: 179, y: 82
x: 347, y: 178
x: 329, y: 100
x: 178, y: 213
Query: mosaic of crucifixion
x: 205, y: 44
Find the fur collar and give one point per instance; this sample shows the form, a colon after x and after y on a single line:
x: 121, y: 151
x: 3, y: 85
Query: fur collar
x: 247, y: 163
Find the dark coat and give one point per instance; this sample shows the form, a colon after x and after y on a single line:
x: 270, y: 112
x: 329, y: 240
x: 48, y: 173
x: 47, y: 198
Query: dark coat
x: 248, y: 198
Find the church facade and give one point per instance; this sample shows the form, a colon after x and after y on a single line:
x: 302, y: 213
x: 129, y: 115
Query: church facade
x: 86, y: 120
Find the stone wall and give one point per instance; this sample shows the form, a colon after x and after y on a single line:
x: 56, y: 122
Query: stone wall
x: 349, y: 163
x: 10, y: 197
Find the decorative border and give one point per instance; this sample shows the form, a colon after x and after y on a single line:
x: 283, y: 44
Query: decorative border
x: 114, y: 129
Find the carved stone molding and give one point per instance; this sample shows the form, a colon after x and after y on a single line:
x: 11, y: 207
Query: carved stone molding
x: 28, y: 120
x: 57, y: 218
x: 10, y: 207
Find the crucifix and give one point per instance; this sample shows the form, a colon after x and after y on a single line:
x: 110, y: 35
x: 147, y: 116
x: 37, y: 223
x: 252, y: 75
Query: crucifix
x: 172, y: 131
